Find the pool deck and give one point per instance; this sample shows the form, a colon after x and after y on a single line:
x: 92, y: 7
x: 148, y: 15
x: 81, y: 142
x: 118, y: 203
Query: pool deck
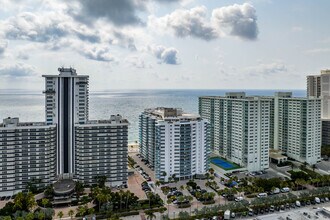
x: 219, y: 169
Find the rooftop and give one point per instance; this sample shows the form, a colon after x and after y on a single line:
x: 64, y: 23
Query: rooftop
x: 164, y: 113
x: 14, y: 122
x: 242, y: 96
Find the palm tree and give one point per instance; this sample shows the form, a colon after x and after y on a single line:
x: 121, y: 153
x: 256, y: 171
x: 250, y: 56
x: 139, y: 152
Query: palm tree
x: 60, y: 214
x: 30, y: 201
x: 44, y: 202
x: 29, y: 216
x: 150, y: 215
x: 71, y: 213
x: 18, y: 201
x: 41, y: 215
x: 79, y: 189
x: 182, y: 187
x: 81, y: 210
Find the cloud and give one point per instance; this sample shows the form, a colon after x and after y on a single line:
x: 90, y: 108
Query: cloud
x: 267, y: 68
x: 17, y: 70
x: 165, y: 55
x: 119, y: 12
x: 188, y: 23
x: 137, y: 62
x: 235, y: 20
x: 239, y: 20
x: 318, y: 50
x: 23, y: 56
x: 3, y: 47
x: 33, y: 27
x: 96, y: 52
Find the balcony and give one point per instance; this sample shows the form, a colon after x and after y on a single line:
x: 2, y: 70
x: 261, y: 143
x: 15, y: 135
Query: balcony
x: 49, y: 91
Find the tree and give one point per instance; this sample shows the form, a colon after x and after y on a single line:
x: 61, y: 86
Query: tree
x: 81, y: 210
x: 182, y: 187
x: 184, y: 215
x: 314, y: 167
x: 49, y: 191
x: 79, y: 189
x: 41, y: 215
x: 211, y: 171
x: 60, y: 214
x: 44, y: 202
x: 101, y: 180
x: 150, y: 215
x: 29, y: 216
x: 18, y: 201
x: 30, y: 201
x: 71, y: 213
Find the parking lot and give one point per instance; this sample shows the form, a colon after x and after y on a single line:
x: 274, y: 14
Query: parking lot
x: 314, y: 212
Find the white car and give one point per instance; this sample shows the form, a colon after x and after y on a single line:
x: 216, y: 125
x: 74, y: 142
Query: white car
x: 240, y: 198
x: 262, y: 195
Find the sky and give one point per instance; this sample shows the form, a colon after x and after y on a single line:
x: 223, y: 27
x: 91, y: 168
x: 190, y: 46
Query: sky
x: 165, y: 44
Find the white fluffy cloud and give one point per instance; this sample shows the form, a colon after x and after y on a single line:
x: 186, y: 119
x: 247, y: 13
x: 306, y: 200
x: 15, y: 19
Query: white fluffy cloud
x: 185, y: 23
x: 165, y: 55
x: 17, y: 70
x: 268, y: 68
x: 235, y: 20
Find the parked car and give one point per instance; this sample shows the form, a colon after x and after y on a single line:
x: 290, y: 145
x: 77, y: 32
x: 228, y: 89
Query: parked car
x: 262, y: 195
x: 298, y: 203
x: 272, y: 208
x: 239, y: 198
x: 285, y: 190
x: 317, y: 200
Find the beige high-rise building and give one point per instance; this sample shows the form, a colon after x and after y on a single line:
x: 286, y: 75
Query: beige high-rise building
x: 314, y: 85
x: 319, y: 86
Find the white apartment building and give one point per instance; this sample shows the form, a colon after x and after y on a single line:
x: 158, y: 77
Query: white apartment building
x: 298, y: 127
x: 242, y: 128
x: 245, y: 128
x: 28, y: 154
x: 66, y: 104
x: 101, y: 150
x: 181, y: 142
x: 67, y: 145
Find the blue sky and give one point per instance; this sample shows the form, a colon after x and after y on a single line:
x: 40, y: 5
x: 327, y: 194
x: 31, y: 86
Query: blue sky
x: 165, y: 44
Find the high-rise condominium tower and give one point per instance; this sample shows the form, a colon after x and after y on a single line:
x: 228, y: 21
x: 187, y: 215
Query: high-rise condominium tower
x: 246, y: 127
x: 319, y: 86
x: 174, y: 142
x: 66, y: 103
x: 67, y: 145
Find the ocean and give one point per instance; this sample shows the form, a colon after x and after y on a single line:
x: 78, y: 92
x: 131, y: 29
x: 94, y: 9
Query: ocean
x: 29, y: 105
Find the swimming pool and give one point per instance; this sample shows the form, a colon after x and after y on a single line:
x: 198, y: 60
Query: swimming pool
x: 226, y: 165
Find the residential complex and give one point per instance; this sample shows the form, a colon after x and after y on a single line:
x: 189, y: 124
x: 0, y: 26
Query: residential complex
x: 319, y: 86
x: 176, y: 144
x: 241, y: 128
x: 67, y: 145
x: 298, y: 127
x: 28, y: 152
x: 246, y: 127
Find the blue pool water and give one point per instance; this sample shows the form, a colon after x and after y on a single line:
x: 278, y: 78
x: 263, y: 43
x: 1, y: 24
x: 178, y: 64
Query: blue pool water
x: 222, y: 163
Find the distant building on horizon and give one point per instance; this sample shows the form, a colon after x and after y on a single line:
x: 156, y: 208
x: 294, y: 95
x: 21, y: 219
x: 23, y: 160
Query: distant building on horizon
x: 321, y: 84
x: 67, y: 145
x: 245, y: 128
x: 174, y: 143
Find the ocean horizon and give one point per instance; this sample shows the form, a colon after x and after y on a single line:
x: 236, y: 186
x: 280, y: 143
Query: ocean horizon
x: 28, y: 105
